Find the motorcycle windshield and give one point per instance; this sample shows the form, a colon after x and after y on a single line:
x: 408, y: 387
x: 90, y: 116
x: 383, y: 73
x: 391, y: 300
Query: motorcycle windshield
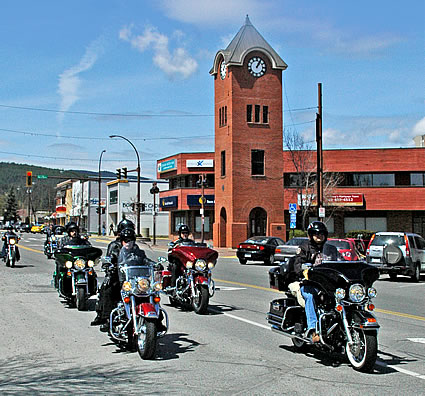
x: 87, y: 251
x: 127, y: 272
x: 191, y: 252
x: 333, y: 274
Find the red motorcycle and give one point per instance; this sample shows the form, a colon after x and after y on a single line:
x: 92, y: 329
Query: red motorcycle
x: 190, y: 272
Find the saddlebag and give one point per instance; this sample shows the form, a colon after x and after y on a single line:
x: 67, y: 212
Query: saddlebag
x: 278, y: 306
x: 280, y: 277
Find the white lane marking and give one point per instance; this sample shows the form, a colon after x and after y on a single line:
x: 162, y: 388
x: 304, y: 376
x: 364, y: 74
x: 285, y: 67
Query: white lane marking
x: 382, y: 364
x: 412, y: 285
x: 420, y: 340
x: 227, y: 288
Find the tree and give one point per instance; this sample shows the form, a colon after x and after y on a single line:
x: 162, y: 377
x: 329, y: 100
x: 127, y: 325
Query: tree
x: 10, y: 211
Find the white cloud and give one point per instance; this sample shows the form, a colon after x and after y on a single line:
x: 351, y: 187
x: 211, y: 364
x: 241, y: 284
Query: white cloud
x: 179, y: 62
x: 419, y: 128
x: 69, y: 80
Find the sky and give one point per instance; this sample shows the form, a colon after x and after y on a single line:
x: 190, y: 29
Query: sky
x: 75, y: 72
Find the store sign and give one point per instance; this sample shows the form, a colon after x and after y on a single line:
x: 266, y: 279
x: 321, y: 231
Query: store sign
x: 167, y: 166
x: 95, y: 202
x: 345, y: 200
x: 196, y: 200
x: 60, y: 208
x: 168, y: 202
x: 202, y: 163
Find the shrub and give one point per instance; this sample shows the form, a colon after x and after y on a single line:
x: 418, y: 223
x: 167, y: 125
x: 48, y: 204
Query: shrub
x: 363, y: 234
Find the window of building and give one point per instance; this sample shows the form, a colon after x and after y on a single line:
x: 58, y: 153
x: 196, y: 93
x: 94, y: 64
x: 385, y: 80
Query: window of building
x: 219, y: 117
x: 198, y: 224
x: 257, y: 162
x: 179, y: 219
x: 365, y: 223
x: 249, y: 113
x: 265, y: 114
x: 225, y: 115
x: 113, y: 197
x: 222, y: 116
x: 383, y: 179
x: 257, y: 113
x: 417, y: 179
x: 223, y: 163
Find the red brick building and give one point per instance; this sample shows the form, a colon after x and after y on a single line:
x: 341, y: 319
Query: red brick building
x: 250, y: 179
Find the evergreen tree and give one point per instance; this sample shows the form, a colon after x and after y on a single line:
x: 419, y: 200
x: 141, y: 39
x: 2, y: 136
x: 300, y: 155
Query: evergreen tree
x: 10, y: 213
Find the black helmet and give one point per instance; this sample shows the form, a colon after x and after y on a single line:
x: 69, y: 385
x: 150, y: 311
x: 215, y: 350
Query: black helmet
x: 58, y: 230
x: 183, y: 228
x: 317, y: 227
x: 127, y: 235
x: 72, y: 226
x: 125, y: 224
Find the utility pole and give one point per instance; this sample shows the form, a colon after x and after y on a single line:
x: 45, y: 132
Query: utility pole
x: 319, y: 182
x: 154, y: 190
x: 202, y: 182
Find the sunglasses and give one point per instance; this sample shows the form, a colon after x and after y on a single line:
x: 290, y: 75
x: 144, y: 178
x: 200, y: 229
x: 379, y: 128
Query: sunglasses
x: 318, y: 233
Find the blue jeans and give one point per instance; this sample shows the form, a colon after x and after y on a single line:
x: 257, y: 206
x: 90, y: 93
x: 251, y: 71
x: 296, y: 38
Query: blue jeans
x: 308, y: 292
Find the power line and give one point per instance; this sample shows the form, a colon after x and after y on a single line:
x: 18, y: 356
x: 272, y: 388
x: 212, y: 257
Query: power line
x: 123, y: 114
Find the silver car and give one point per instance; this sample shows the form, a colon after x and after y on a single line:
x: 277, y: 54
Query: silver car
x: 397, y: 253
x: 289, y: 249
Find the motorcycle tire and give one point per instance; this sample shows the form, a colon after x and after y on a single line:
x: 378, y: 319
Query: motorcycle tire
x: 172, y: 301
x: 81, y: 299
x: 200, y: 300
x: 299, y: 345
x: 146, y: 342
x: 7, y: 261
x: 362, y: 354
x: 13, y: 254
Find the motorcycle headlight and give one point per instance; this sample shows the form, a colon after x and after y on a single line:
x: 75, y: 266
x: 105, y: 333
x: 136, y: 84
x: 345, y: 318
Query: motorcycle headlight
x: 79, y: 263
x: 12, y: 241
x: 157, y: 286
x: 200, y: 265
x: 126, y: 286
x: 371, y: 292
x: 68, y: 264
x: 53, y: 238
x: 90, y: 263
x: 357, y: 293
x: 339, y: 293
x: 189, y: 264
x: 143, y: 284
x: 211, y: 265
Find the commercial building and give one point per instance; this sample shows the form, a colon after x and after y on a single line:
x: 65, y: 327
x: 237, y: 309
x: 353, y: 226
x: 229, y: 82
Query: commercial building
x: 255, y: 180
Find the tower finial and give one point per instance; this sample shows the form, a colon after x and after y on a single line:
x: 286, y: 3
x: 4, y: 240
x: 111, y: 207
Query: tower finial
x: 247, y: 21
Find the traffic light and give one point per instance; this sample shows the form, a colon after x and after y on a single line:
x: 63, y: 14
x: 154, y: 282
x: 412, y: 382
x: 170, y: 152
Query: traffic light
x: 124, y: 172
x: 119, y: 173
x: 103, y: 210
x: 143, y: 207
x: 29, y: 179
x: 97, y: 210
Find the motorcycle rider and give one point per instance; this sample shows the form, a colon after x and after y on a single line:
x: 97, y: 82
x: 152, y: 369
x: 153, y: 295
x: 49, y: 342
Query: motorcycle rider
x: 130, y: 251
x: 9, y: 232
x: 49, y: 232
x: 72, y: 239
x: 184, y: 232
x: 109, y: 291
x: 313, y: 252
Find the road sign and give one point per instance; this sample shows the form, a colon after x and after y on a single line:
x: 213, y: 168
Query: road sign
x: 321, y: 212
x: 292, y: 208
x: 293, y: 217
x: 41, y: 176
x: 292, y: 224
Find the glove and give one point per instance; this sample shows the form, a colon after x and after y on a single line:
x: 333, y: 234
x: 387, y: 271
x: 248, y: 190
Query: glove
x: 305, y: 273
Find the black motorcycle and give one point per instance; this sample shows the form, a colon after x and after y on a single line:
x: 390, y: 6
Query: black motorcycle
x: 76, y: 279
x: 12, y: 251
x: 346, y: 324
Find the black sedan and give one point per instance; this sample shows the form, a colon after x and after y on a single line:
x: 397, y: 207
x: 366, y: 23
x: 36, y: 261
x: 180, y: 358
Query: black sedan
x: 258, y: 248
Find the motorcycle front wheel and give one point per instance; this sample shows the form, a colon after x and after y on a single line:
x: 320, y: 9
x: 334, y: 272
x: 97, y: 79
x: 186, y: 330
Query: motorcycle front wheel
x: 80, y: 299
x: 200, y: 299
x: 13, y: 258
x: 363, y: 352
x: 146, y: 341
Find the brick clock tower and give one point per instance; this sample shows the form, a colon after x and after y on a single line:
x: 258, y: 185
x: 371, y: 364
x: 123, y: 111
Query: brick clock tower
x: 248, y: 139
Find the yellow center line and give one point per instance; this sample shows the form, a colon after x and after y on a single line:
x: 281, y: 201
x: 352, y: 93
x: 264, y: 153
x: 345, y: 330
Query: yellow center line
x: 401, y: 314
x: 31, y: 250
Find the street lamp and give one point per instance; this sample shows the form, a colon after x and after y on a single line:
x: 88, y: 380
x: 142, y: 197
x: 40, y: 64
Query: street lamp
x: 98, y: 204
x: 138, y: 180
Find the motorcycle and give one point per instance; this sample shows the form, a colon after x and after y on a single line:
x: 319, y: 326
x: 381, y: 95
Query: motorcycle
x: 195, y: 286
x: 346, y: 324
x: 53, y: 242
x: 77, y: 278
x: 136, y: 322
x: 12, y: 251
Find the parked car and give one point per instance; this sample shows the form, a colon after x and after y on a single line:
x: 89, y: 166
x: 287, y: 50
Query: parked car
x: 37, y: 228
x: 289, y: 248
x: 24, y: 228
x: 397, y: 253
x: 258, y: 248
x: 347, y: 248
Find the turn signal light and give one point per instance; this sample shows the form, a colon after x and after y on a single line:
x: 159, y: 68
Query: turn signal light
x: 371, y: 320
x: 127, y: 300
x: 339, y: 307
x: 69, y: 273
x: 157, y: 299
x: 370, y: 307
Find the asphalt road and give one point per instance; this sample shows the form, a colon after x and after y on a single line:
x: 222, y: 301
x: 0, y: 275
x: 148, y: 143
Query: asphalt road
x: 48, y: 348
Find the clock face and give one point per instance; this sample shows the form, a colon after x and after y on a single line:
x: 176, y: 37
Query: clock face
x: 223, y: 69
x: 256, y: 66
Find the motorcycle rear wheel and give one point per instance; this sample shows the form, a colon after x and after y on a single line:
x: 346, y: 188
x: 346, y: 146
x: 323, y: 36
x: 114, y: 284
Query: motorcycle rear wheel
x: 200, y: 300
x: 299, y: 345
x: 363, y: 352
x: 146, y: 342
x: 80, y: 299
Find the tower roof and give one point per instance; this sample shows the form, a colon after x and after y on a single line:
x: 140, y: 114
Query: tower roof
x: 246, y: 40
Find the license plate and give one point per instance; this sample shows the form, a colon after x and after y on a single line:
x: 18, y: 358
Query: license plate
x: 247, y: 254
x: 375, y: 260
